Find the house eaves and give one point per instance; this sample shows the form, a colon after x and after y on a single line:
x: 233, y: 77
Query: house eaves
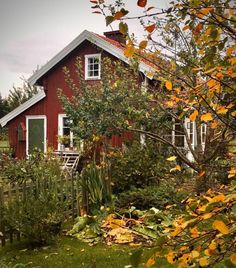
x: 94, y: 39
x: 20, y: 109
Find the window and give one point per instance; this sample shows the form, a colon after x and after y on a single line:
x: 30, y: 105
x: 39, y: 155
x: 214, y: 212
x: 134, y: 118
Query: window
x: 92, y: 66
x: 190, y: 129
x: 65, y: 135
x: 203, y: 133
x: 178, y: 135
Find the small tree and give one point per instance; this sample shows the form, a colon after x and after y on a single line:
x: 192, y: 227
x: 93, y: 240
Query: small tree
x: 19, y: 95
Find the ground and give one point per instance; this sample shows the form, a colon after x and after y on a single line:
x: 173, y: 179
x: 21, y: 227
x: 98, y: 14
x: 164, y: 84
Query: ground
x: 71, y: 253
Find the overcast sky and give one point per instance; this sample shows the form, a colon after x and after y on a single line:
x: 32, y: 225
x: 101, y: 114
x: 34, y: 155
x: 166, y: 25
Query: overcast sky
x: 33, y: 31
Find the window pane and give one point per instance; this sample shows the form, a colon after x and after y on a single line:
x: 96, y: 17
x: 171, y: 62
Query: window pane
x: 179, y: 141
x: 66, y: 122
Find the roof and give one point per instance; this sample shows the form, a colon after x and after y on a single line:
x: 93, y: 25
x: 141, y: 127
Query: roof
x: 20, y: 109
x: 109, y: 45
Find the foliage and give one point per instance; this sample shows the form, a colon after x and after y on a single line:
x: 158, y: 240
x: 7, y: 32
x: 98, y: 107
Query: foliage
x: 19, y: 95
x: 93, y: 180
x: 205, y: 235
x: 151, y: 196
x: 196, y: 42
x: 38, y: 217
x: 4, y: 108
x: 192, y: 49
x: 138, y: 166
x: 36, y: 211
x: 29, y: 170
x: 95, y: 109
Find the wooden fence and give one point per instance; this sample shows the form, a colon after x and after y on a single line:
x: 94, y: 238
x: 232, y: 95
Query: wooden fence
x: 66, y: 189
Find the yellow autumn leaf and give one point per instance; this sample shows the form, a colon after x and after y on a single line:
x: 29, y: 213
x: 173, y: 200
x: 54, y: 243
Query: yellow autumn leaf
x: 233, y: 258
x: 171, y: 158
x: 230, y: 50
x: 170, y: 257
x: 195, y: 254
x: 129, y: 51
x: 222, y: 110
x: 232, y: 60
x: 233, y: 113
x: 220, y: 226
x: 206, y: 216
x: 177, y: 231
x: 213, y: 125
x: 193, y: 116
x: 194, y: 232
x: 118, y: 15
x: 143, y: 44
x: 168, y: 85
x: 178, y: 167
x: 213, y: 245
x: 206, y: 10
x: 150, y: 262
x: 203, y: 262
x: 206, y: 117
x: 232, y: 172
x: 218, y: 198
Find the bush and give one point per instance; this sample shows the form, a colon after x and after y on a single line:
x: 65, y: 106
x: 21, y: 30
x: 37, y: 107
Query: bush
x: 138, y: 166
x: 38, y: 217
x: 37, y: 209
x: 151, y: 196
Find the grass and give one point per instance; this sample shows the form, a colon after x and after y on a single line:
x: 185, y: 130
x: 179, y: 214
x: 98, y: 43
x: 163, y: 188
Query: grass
x: 71, y: 253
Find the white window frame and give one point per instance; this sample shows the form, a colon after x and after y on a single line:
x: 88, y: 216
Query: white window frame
x: 28, y: 117
x: 60, y: 131
x: 87, y: 57
x: 203, y: 133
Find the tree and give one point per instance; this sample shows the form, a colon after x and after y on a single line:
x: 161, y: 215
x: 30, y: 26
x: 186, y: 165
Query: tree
x: 4, y: 108
x: 19, y: 95
x: 196, y: 82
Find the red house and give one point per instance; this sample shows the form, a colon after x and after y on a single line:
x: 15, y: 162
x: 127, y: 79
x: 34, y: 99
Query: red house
x: 39, y: 121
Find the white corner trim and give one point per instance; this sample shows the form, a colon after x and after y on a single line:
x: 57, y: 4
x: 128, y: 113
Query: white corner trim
x: 36, y: 98
x: 93, y: 38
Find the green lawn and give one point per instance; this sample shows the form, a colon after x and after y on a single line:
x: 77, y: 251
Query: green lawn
x: 71, y: 253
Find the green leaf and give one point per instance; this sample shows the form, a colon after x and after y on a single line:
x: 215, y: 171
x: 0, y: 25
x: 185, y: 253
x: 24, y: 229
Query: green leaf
x: 123, y: 28
x: 109, y: 20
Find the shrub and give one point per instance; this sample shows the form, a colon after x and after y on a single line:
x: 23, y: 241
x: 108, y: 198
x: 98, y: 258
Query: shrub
x: 37, y: 209
x: 138, y: 166
x: 151, y: 196
x: 38, y: 217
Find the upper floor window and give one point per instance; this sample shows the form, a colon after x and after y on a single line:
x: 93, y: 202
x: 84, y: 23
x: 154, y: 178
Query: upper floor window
x: 92, y: 66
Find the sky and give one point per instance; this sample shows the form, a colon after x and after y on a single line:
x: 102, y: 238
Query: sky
x: 33, y: 31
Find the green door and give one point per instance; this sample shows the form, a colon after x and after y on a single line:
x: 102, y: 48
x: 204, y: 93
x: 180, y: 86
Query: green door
x: 36, y: 134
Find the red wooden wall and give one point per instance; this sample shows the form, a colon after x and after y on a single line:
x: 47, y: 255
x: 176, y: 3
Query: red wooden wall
x: 50, y: 105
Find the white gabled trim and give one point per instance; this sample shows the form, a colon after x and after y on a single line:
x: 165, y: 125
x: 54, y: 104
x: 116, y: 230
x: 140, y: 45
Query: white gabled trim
x: 28, y: 117
x: 36, y: 98
x: 95, y: 39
